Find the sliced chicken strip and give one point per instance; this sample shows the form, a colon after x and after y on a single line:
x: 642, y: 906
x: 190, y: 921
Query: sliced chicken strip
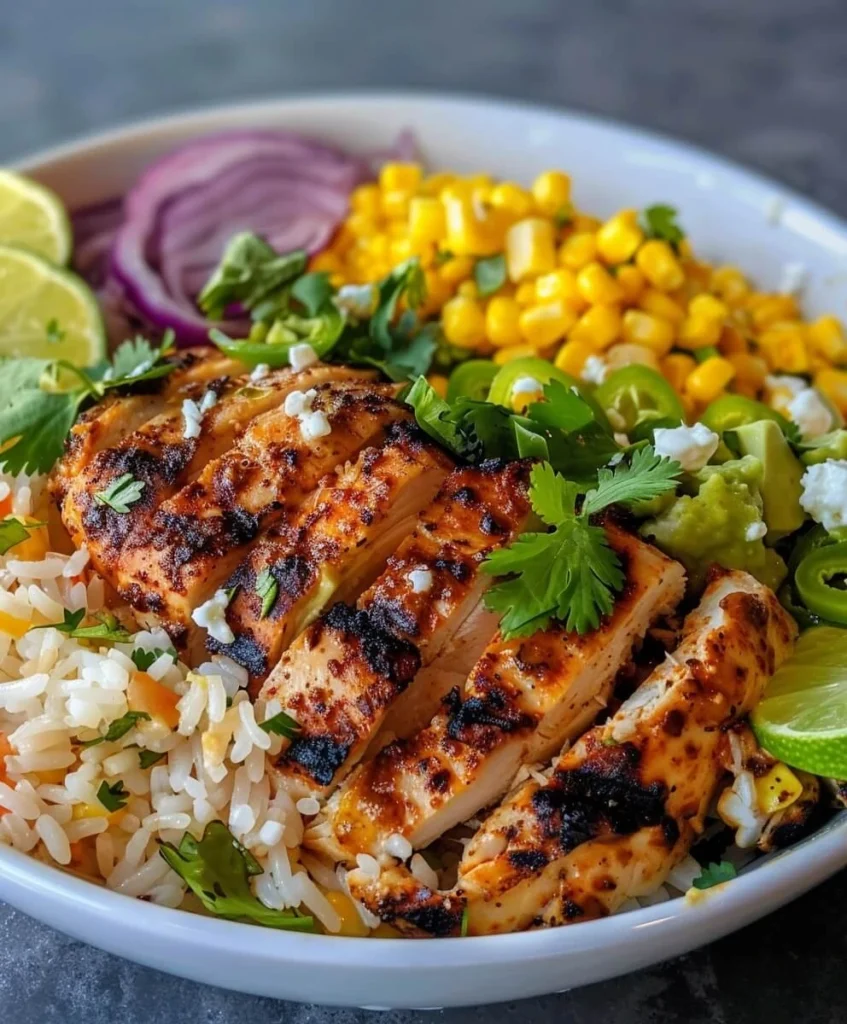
x: 523, y: 700
x: 623, y: 806
x: 341, y: 676
x: 117, y: 416
x: 161, y: 456
x: 334, y: 547
x: 198, y: 537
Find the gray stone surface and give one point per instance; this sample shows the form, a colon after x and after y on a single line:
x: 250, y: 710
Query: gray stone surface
x: 762, y: 81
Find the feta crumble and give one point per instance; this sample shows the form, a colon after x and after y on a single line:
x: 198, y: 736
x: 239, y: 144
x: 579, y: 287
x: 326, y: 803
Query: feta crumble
x: 421, y: 580
x: 299, y: 402
x: 208, y: 400
x: 594, y: 370
x: 824, y: 494
x: 314, y: 425
x: 811, y: 414
x: 192, y: 414
x: 260, y: 372
x: 755, y: 531
x: 302, y: 356
x: 355, y: 299
x: 786, y: 382
x: 691, y: 447
x: 527, y: 386
x: 211, y: 616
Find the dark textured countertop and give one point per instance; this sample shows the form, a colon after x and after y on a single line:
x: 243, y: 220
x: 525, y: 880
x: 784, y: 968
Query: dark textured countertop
x: 761, y: 81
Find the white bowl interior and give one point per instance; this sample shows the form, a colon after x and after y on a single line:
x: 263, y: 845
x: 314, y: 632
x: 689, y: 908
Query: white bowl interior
x: 732, y: 216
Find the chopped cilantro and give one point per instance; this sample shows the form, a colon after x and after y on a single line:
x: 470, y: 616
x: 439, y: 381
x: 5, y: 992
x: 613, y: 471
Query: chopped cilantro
x: 147, y: 758
x: 144, y: 659
x: 113, y: 797
x: 119, y: 728
x: 281, y: 725
x: 660, y: 222
x: 267, y: 588
x: 714, y: 874
x: 121, y: 493
x: 13, y: 531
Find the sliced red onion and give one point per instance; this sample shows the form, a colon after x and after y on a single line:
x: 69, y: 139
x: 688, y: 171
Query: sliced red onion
x: 187, y: 205
x: 94, y: 230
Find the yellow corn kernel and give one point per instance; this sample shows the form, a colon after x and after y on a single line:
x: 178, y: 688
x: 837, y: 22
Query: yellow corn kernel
x: 51, y: 776
x: 708, y: 307
x: 558, y: 284
x: 585, y: 222
x: 833, y: 383
x: 658, y: 263
x: 597, y: 286
x: 467, y: 233
x: 572, y: 355
x: 704, y: 322
x: 578, y: 250
x: 510, y: 352
x: 464, y: 322
x: 640, y: 328
x: 599, y: 326
x: 632, y: 282
x: 768, y: 310
x: 438, y: 291
x: 750, y: 370
x: 400, y: 249
x: 433, y: 184
x: 395, y: 205
x: 456, y: 270
x: 529, y: 248
x: 732, y: 341
x: 13, y: 626
x: 656, y: 302
x: 627, y: 355
x: 551, y: 191
x: 826, y: 336
x: 438, y: 383
x: 326, y: 261
x: 784, y: 346
x: 502, y: 321
x: 511, y: 198
x: 427, y: 222
x: 730, y: 284
x: 97, y: 811
x: 468, y: 289
x: 351, y: 923
x: 400, y: 177
x: 709, y: 379
x: 676, y: 368
x: 366, y: 199
x: 361, y: 226
x: 525, y: 294
x: 619, y: 237
x: 777, y: 789
x: 542, y: 325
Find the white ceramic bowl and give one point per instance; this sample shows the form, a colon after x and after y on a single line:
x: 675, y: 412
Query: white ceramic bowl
x: 732, y: 215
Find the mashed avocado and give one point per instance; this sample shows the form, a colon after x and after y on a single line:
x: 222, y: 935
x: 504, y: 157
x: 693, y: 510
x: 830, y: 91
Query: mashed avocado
x: 720, y: 523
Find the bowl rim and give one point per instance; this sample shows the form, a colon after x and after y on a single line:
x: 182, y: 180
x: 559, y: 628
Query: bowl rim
x: 771, y: 883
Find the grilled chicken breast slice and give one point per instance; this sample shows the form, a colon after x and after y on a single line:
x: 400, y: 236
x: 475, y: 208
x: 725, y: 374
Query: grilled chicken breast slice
x: 197, y: 537
x: 341, y: 676
x: 333, y: 548
x: 524, y: 698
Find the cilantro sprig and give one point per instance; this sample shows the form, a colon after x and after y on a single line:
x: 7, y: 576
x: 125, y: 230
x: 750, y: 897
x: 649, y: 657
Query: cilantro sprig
x: 121, y: 493
x: 714, y: 874
x: 107, y: 628
x: 570, y: 573
x: 217, y: 868
x: 660, y: 222
x: 119, y: 728
x: 113, y: 797
x: 281, y: 724
x: 144, y: 659
x: 267, y: 589
x: 13, y: 531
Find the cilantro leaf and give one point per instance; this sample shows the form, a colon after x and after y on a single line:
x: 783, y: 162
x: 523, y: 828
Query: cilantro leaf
x: 489, y: 274
x: 144, y: 659
x: 267, y: 589
x: 660, y: 222
x: 217, y: 868
x: 562, y: 408
x: 645, y: 477
x: 13, y: 531
x: 121, y: 493
x: 147, y: 758
x: 434, y: 414
x: 108, y: 628
x: 136, y: 360
x: 715, y: 873
x: 119, y: 728
x: 313, y: 291
x: 250, y: 271
x: 113, y: 797
x: 72, y: 621
x: 281, y: 725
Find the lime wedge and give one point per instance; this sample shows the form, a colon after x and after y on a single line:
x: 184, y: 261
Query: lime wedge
x: 34, y: 217
x: 46, y: 311
x: 802, y: 718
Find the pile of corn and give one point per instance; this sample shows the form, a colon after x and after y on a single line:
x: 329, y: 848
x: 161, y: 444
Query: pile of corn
x: 579, y: 287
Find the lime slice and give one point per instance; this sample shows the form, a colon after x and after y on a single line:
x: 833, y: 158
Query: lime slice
x: 802, y: 718
x: 34, y: 217
x: 46, y: 311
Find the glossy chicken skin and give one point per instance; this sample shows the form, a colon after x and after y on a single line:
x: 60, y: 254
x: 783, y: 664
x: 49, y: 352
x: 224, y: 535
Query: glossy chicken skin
x: 333, y: 548
x: 344, y: 673
x: 524, y: 698
x: 624, y: 804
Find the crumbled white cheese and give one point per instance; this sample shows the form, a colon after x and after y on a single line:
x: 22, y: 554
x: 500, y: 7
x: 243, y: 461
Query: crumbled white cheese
x: 810, y: 413
x: 398, y: 846
x: 314, y: 425
x: 824, y: 494
x: 192, y: 418
x: 527, y: 386
x: 421, y: 580
x: 594, y: 370
x: 302, y: 356
x: 356, y: 299
x: 794, y: 277
x: 260, y: 372
x: 785, y: 382
x: 208, y: 400
x: 691, y: 447
x: 298, y: 402
x: 211, y: 616
x: 755, y: 531
x: 739, y: 808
